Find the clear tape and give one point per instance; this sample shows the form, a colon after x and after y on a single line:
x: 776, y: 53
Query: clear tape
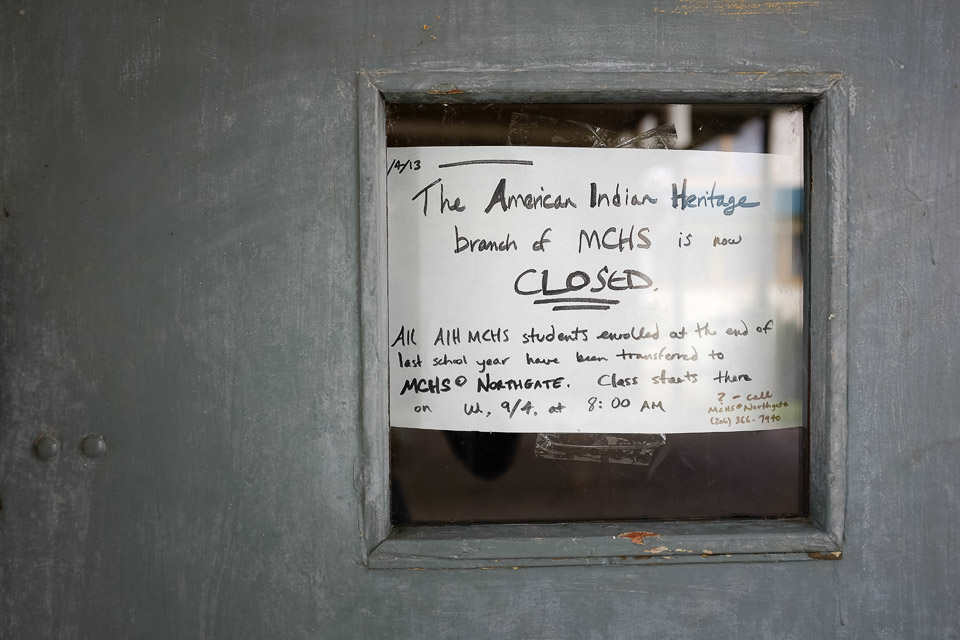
x: 632, y: 448
x: 533, y: 130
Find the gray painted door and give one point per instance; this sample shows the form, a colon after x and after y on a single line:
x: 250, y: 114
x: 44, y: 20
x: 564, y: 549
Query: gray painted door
x: 180, y: 241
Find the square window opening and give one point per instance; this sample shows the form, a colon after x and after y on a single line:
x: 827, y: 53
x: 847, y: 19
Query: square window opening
x: 451, y: 473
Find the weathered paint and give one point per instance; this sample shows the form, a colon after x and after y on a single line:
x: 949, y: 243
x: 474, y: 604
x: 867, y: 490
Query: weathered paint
x: 739, y: 7
x: 179, y: 273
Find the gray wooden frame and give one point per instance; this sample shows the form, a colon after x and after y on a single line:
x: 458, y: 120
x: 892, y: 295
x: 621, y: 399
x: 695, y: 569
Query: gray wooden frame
x: 819, y: 537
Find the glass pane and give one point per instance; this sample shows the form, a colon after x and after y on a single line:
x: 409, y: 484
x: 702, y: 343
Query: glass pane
x: 452, y: 476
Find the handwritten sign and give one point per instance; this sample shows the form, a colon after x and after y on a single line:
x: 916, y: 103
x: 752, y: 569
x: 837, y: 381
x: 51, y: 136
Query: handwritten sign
x: 593, y: 290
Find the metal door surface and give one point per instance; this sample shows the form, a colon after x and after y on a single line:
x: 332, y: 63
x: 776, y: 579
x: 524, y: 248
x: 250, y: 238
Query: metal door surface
x: 190, y: 418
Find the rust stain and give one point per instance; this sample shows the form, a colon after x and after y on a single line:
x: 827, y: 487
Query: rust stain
x: 444, y: 92
x: 425, y: 27
x: 825, y: 555
x: 637, y: 537
x: 659, y: 549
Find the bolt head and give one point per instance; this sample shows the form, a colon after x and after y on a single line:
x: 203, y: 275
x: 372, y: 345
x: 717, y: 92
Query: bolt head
x: 93, y: 445
x: 46, y: 447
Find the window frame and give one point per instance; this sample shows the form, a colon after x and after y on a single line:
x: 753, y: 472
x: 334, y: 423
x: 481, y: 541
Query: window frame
x: 615, y: 543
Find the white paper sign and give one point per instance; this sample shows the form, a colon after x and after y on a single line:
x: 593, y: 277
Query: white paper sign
x: 593, y: 290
